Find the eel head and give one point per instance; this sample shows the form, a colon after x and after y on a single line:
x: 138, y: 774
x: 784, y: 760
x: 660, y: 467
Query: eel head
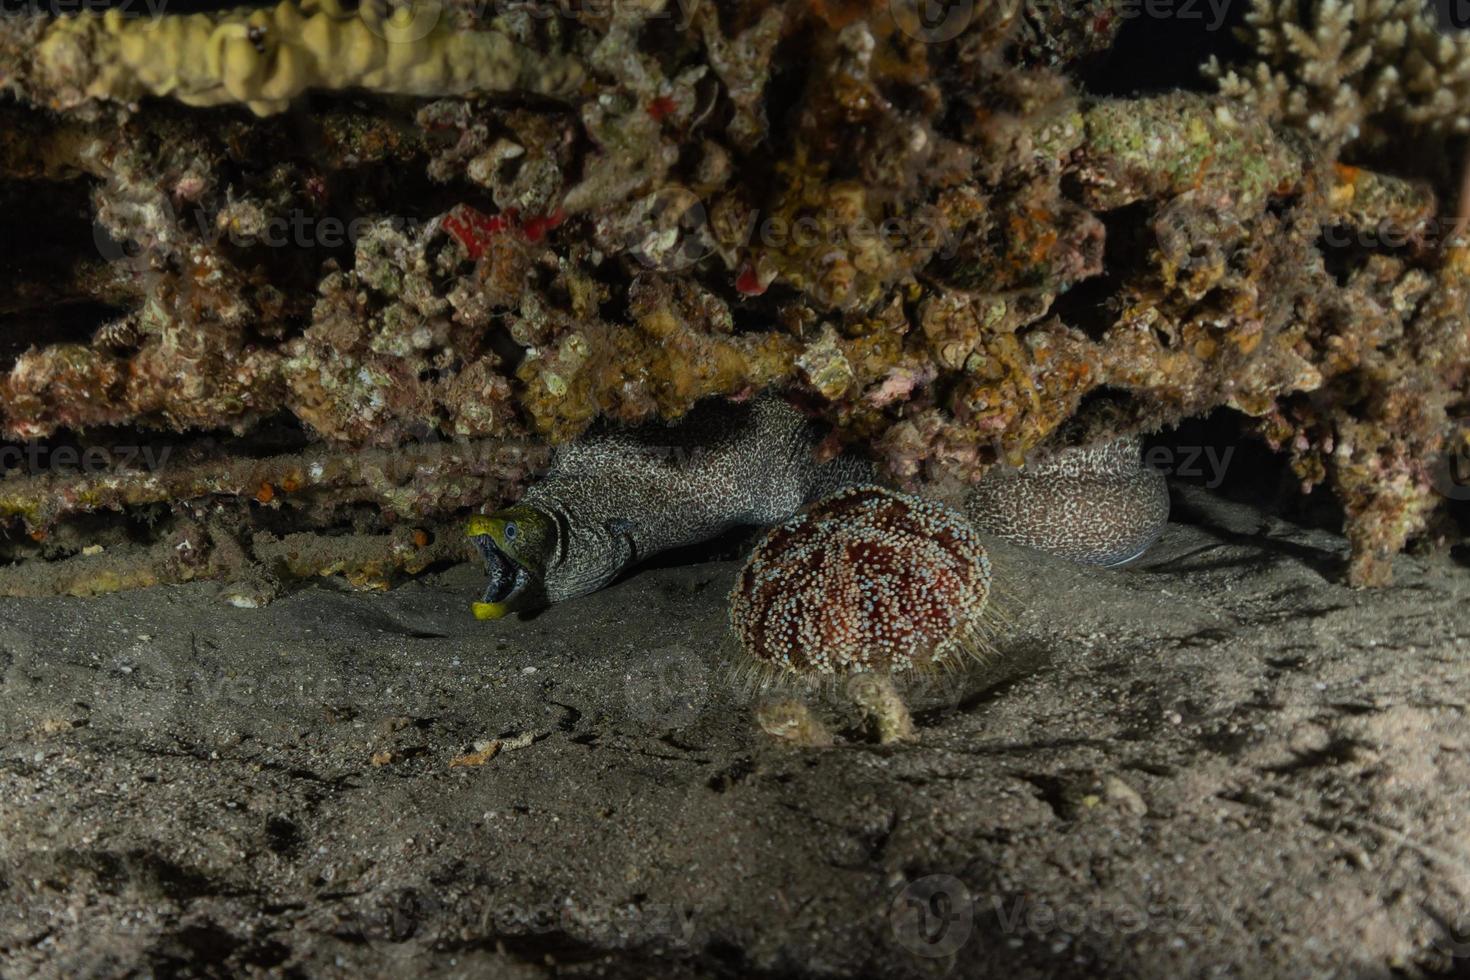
x: 516, y: 544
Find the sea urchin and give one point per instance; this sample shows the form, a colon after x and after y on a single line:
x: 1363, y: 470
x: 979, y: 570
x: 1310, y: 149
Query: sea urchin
x: 869, y: 582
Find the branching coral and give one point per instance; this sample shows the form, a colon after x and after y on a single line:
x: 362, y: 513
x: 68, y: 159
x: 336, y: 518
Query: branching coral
x: 1345, y: 70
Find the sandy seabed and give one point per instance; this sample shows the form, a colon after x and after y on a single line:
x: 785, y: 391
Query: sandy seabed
x: 1217, y: 761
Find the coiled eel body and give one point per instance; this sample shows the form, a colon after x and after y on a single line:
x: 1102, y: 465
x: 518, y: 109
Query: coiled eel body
x: 618, y: 497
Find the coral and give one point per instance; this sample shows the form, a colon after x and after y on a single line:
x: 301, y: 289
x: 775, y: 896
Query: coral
x: 1054, y: 34
x: 941, y: 248
x: 877, y: 695
x: 387, y: 357
x: 1166, y: 146
x: 677, y: 341
x: 1347, y: 70
x: 212, y: 537
x: 366, y: 561
x: 263, y: 58
x: 323, y: 482
x: 1395, y: 335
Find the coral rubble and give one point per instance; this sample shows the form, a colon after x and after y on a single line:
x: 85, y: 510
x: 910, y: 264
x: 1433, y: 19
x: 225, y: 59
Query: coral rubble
x: 291, y: 238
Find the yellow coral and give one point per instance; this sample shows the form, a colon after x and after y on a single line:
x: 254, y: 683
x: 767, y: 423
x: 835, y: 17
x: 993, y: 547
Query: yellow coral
x: 264, y: 58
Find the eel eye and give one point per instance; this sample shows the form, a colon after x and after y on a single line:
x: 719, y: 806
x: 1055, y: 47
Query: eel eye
x: 510, y: 530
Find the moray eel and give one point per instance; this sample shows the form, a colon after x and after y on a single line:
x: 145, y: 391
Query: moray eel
x: 1099, y: 504
x: 616, y: 498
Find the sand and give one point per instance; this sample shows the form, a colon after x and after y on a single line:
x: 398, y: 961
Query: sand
x: 1217, y: 761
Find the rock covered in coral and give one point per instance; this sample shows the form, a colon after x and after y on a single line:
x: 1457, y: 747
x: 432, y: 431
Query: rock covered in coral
x: 933, y: 241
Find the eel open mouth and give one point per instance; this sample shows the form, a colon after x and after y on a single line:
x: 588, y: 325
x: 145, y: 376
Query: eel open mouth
x: 508, y: 580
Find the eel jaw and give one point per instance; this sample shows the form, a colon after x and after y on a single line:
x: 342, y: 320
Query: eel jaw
x: 509, y: 582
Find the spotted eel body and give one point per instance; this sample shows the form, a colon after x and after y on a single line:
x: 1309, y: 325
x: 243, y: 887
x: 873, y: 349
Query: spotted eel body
x: 620, y: 497
x: 616, y: 498
x: 1099, y: 505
